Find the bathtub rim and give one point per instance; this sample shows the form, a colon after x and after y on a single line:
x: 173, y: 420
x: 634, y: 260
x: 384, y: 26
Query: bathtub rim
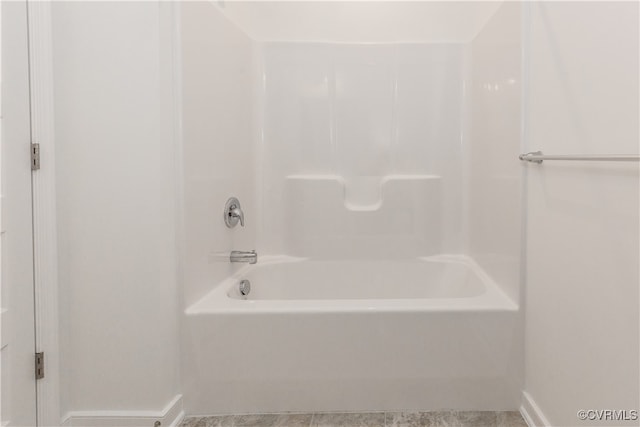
x: 217, y: 301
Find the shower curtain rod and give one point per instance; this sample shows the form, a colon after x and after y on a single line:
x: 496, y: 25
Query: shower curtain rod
x: 538, y: 157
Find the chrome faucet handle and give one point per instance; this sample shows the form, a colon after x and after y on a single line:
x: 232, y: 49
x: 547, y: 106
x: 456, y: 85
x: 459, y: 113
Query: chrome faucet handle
x: 233, y: 213
x: 236, y: 212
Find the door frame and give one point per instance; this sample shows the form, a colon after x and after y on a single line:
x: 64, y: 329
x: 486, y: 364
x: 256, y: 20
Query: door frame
x: 17, y: 315
x: 45, y: 251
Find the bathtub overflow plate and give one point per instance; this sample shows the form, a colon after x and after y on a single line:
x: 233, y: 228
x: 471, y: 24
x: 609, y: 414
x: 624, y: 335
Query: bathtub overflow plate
x: 245, y: 287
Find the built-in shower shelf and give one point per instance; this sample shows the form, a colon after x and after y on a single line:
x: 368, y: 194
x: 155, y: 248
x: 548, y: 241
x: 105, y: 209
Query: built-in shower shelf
x: 391, y: 213
x: 363, y: 193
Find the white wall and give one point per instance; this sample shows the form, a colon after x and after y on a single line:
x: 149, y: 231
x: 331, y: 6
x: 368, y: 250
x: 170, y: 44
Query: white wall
x: 1, y: 418
x: 582, y: 325
x: 116, y: 206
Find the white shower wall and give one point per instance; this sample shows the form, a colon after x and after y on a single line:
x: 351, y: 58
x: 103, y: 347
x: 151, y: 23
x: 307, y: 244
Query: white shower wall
x: 346, y: 117
x: 494, y: 173
x: 218, y: 76
x: 260, y: 118
x: 375, y: 127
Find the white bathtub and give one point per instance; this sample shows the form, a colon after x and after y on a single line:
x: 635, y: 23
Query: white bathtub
x: 420, y: 334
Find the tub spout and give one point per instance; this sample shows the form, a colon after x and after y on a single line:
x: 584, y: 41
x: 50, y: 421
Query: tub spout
x: 244, y: 256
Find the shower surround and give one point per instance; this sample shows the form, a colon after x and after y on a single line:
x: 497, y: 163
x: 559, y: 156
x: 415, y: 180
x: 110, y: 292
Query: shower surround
x: 376, y: 287
x: 354, y: 132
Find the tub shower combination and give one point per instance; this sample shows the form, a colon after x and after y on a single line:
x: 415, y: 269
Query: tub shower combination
x: 374, y: 285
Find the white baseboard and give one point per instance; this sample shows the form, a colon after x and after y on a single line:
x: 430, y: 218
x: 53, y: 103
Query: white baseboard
x: 170, y: 416
x: 532, y: 413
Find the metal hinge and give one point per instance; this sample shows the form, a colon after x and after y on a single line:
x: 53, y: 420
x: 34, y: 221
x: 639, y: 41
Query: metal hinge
x: 35, y: 157
x: 40, y: 365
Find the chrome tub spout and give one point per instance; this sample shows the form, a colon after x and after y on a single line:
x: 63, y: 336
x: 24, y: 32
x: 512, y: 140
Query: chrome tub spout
x: 244, y: 256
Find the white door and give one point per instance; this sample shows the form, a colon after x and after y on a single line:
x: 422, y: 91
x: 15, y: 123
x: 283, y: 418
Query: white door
x: 17, y: 337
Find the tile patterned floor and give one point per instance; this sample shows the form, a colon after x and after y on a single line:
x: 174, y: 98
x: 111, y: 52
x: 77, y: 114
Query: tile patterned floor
x: 374, y: 419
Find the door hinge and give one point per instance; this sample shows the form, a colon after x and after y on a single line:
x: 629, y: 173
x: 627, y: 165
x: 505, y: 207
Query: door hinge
x: 40, y: 365
x: 35, y: 157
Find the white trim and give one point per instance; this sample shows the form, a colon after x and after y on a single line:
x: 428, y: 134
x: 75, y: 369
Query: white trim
x: 2, y: 310
x: 170, y: 416
x: 175, y: 12
x: 176, y: 98
x: 44, y: 208
x: 531, y: 412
